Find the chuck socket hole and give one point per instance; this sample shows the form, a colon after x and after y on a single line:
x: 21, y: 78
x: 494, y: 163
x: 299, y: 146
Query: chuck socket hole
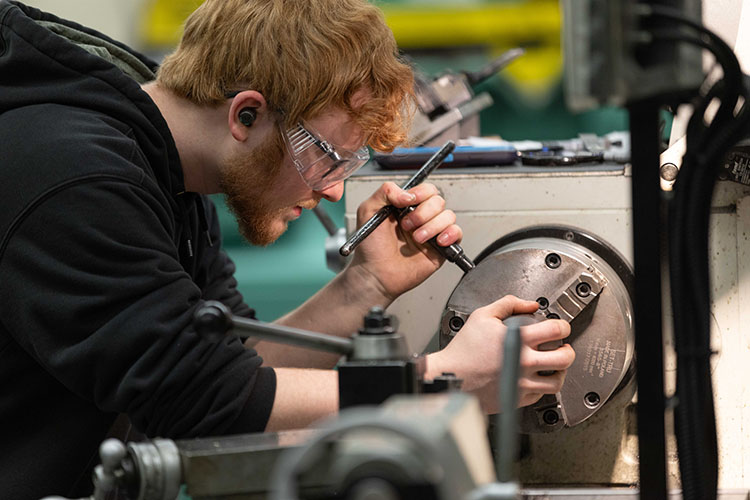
x: 543, y: 303
x: 550, y: 417
x: 553, y: 261
x: 456, y: 323
x: 592, y: 400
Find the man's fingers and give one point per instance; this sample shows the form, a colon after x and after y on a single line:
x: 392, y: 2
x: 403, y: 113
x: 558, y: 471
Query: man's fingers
x: 510, y: 305
x: 450, y: 235
x: 423, y: 213
x: 389, y: 193
x: 397, y: 197
x: 545, y: 331
x: 529, y: 398
x: 544, y: 384
x: 533, y: 361
x: 386, y: 194
x: 434, y: 227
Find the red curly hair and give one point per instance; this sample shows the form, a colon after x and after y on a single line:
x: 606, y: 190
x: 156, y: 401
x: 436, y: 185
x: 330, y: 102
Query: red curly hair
x: 302, y: 55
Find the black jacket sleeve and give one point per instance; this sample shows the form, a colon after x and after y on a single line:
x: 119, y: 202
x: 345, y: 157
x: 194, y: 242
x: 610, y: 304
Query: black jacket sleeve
x: 92, y: 289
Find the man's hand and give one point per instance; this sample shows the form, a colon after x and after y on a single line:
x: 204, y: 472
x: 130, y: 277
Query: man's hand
x: 385, y: 265
x: 396, y: 255
x: 475, y: 354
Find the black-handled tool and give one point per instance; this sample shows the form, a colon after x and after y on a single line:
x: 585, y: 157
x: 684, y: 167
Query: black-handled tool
x: 453, y: 253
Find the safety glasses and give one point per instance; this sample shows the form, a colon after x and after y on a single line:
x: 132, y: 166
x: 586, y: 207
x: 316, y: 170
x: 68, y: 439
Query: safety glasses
x: 319, y: 163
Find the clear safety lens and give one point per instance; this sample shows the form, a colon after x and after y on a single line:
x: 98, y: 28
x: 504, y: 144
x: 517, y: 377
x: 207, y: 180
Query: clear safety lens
x: 320, y: 164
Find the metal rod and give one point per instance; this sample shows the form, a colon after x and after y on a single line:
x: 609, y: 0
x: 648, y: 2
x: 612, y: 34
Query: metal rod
x: 291, y: 336
x: 494, y: 66
x: 381, y: 215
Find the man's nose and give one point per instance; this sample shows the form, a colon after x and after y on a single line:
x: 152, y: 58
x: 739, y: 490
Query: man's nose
x: 333, y: 193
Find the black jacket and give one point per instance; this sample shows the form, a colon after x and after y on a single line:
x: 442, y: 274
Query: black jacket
x: 103, y: 260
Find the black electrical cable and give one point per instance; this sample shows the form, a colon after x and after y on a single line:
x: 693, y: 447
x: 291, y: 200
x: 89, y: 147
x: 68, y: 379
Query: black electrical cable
x: 694, y: 417
x: 695, y: 423
x: 701, y: 106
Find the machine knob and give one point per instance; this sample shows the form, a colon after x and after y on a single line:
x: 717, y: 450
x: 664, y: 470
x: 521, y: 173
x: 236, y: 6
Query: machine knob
x: 377, y: 323
x: 212, y: 320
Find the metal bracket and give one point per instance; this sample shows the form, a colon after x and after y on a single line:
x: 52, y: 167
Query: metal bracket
x: 576, y: 296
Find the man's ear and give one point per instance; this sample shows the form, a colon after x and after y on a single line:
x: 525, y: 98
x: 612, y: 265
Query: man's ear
x: 245, y: 109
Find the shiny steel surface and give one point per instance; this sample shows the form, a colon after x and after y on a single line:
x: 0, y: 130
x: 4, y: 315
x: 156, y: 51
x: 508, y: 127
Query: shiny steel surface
x: 158, y: 466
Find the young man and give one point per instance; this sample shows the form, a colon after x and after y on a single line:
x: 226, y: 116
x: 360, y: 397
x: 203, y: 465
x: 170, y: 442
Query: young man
x: 108, y: 244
